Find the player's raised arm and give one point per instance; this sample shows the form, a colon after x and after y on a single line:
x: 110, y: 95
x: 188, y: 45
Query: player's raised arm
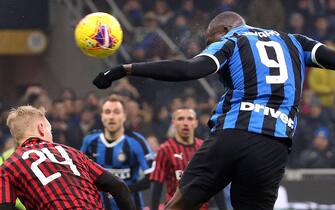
x: 167, y: 70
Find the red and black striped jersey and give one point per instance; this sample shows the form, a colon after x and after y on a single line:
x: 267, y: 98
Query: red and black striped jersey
x: 47, y: 175
x: 170, y: 162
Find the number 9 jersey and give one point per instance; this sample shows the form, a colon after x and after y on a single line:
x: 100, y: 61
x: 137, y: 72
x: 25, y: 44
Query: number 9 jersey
x: 263, y: 72
x: 47, y: 175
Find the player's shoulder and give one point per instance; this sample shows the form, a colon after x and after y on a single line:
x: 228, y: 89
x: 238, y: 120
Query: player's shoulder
x: 135, y: 137
x: 13, y: 159
x: 168, y: 143
x: 92, y: 136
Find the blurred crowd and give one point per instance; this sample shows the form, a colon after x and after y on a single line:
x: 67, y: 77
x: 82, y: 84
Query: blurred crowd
x: 150, y: 103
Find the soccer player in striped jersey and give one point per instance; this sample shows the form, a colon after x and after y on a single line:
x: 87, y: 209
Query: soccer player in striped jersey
x: 174, y: 155
x: 253, y: 123
x: 47, y: 175
x: 122, y: 153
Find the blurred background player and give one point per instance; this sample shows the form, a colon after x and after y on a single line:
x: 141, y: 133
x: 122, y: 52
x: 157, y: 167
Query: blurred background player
x: 174, y: 155
x: 122, y: 153
x: 47, y: 175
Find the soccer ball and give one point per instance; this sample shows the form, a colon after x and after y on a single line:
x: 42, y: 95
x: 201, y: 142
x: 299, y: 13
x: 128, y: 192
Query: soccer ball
x: 98, y: 35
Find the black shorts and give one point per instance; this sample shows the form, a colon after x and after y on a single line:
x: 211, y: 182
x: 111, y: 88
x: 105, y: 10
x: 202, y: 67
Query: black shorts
x: 253, y: 163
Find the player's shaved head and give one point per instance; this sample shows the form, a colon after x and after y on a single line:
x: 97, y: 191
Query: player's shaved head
x: 221, y: 24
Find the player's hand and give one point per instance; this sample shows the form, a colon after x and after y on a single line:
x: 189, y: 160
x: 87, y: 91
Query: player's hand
x: 104, y: 79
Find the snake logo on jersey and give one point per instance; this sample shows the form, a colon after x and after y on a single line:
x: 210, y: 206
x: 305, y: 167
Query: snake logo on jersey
x: 124, y: 158
x: 262, y: 90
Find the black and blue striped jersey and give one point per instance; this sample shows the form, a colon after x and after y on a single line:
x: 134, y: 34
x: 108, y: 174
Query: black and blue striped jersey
x: 125, y: 158
x: 263, y: 72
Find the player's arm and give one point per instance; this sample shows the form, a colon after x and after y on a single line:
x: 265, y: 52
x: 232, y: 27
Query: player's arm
x: 158, y: 176
x: 316, y: 54
x: 8, y: 196
x: 117, y: 188
x: 157, y: 189
x: 209, y: 61
x: 167, y: 70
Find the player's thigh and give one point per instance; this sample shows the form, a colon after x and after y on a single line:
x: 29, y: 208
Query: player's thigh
x: 210, y: 170
x: 258, y: 174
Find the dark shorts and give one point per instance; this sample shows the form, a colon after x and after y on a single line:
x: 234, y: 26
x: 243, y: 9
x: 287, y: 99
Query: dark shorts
x: 253, y: 163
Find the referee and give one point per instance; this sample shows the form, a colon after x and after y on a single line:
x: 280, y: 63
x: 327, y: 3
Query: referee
x: 253, y: 123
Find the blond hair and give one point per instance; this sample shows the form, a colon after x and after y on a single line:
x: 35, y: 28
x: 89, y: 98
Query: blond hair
x: 22, y: 118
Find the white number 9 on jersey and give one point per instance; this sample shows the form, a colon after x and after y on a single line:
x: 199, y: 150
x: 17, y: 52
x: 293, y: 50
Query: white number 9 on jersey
x: 281, y: 64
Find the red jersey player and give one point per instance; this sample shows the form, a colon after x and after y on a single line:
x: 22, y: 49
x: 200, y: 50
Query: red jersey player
x: 174, y: 155
x: 46, y: 175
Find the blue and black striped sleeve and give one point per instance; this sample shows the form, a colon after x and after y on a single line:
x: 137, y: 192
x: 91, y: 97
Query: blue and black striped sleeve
x: 219, y: 52
x: 315, y: 53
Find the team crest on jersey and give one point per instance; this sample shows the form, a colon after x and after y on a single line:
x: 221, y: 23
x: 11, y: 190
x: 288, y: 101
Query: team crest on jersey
x: 122, y: 157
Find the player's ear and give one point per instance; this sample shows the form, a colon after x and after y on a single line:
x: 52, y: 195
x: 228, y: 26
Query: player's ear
x: 41, y: 129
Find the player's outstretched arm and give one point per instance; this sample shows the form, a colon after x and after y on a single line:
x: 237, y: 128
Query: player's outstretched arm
x: 167, y: 70
x: 117, y: 188
x: 325, y: 57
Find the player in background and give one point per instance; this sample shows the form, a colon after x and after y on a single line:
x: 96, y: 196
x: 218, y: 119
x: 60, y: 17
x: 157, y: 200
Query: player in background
x: 122, y: 153
x: 47, y: 175
x: 174, y: 155
x: 253, y: 123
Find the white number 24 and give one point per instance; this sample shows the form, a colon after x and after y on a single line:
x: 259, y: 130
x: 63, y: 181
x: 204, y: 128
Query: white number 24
x: 43, y: 155
x: 281, y: 64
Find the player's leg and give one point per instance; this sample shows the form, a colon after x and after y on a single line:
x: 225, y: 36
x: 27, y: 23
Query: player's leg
x: 258, y: 174
x: 208, y: 172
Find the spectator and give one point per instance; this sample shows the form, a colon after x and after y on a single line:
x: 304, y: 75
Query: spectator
x: 225, y: 5
x: 331, y: 14
x: 321, y: 31
x: 134, y: 119
x: 305, y: 8
x: 68, y: 93
x: 181, y: 32
x: 65, y: 131
x: 187, y: 9
x: 161, y: 123
x: 193, y: 48
x: 133, y: 10
x: 92, y: 100
x: 163, y: 12
x: 147, y: 115
x: 88, y: 121
x: 267, y: 14
x: 321, y: 154
x: 202, y: 129
x: 296, y: 23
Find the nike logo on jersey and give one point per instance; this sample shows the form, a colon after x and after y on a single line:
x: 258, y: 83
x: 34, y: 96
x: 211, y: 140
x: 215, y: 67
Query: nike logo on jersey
x: 247, y: 106
x: 180, y: 155
x: 95, y: 154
